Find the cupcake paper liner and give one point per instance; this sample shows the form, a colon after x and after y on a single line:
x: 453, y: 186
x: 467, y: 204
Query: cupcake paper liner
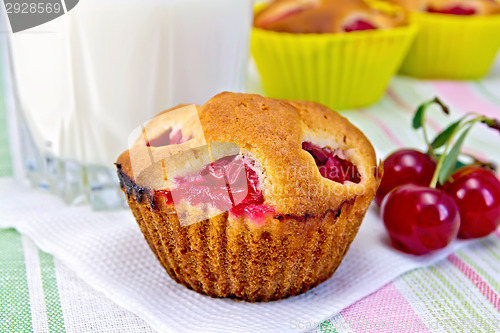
x: 341, y: 71
x: 452, y: 47
x: 221, y: 257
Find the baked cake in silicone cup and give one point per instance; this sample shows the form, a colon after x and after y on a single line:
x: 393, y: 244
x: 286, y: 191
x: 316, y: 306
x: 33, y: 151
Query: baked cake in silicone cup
x: 341, y: 53
x: 457, y: 39
x: 308, y: 175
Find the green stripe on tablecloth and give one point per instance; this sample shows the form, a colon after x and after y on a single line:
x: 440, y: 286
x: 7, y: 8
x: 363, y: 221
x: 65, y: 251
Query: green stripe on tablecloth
x: 463, y: 290
x: 492, y: 282
x: 438, y: 292
x: 15, y: 315
x: 435, y: 304
x: 486, y: 93
x: 492, y: 248
x: 326, y: 327
x: 489, y: 262
x: 51, y: 293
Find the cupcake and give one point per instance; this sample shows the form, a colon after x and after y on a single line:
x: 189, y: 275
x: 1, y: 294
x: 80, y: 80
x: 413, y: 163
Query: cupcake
x: 341, y: 53
x: 250, y: 197
x: 457, y: 39
x: 452, y: 7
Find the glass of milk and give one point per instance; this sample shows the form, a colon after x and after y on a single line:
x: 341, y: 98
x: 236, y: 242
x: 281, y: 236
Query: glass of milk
x: 85, y: 80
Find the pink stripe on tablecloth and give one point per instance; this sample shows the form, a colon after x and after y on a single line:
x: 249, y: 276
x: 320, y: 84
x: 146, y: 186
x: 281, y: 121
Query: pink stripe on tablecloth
x: 463, y: 96
x: 478, y: 281
x: 399, y: 102
x: 434, y: 125
x: 389, y: 133
x: 476, y: 153
x: 384, y: 311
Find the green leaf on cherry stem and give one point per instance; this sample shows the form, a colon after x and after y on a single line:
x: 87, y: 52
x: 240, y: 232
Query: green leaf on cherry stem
x: 419, y: 118
x: 450, y: 160
x: 443, y: 137
x: 459, y: 164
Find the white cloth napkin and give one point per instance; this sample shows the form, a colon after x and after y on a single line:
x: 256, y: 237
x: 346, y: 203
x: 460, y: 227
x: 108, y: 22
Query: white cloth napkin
x: 107, y: 250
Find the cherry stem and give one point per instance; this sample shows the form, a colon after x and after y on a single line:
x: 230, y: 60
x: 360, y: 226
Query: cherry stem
x: 485, y: 164
x: 469, y: 124
x: 422, y: 123
x: 428, y: 143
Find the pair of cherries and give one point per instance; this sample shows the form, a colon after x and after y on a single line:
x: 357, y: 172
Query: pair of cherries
x: 424, y: 206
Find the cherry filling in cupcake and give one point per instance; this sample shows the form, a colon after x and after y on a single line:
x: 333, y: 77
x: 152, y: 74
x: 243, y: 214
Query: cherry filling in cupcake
x: 228, y: 183
x: 453, y: 10
x: 169, y: 137
x: 331, y: 165
x: 359, y: 25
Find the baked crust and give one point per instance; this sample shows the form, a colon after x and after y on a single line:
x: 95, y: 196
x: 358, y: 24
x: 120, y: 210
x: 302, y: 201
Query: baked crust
x: 223, y: 257
x: 271, y: 132
x: 324, y: 16
x: 482, y: 7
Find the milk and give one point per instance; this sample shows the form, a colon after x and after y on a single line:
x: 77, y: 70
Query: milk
x: 85, y: 80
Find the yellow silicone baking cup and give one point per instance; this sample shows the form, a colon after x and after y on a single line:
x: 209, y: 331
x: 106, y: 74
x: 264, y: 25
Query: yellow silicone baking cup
x: 452, y: 47
x: 341, y: 71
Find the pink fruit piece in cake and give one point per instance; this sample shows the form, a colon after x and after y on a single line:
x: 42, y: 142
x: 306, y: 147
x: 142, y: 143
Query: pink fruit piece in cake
x: 331, y: 165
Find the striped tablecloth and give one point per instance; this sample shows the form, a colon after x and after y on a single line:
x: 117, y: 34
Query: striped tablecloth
x: 458, y: 294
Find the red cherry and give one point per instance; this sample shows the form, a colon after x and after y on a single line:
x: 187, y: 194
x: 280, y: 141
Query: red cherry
x: 420, y: 219
x: 213, y: 183
x: 476, y: 190
x: 332, y: 166
x: 404, y: 167
x: 359, y: 25
x: 453, y: 10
